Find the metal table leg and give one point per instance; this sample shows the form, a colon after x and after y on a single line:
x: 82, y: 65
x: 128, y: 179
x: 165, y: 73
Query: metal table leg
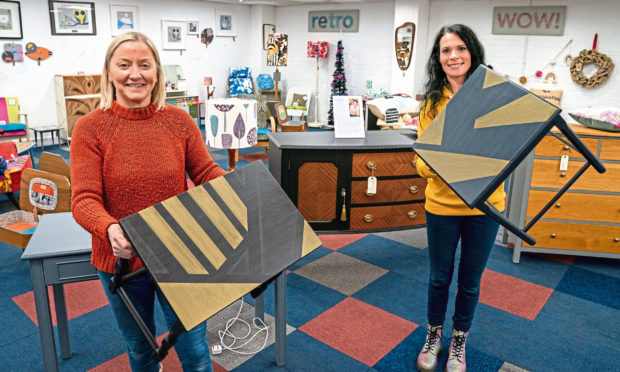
x: 44, y: 317
x: 280, y: 348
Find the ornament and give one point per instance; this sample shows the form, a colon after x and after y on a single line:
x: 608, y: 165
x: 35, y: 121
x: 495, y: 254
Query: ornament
x: 585, y: 57
x: 539, y: 73
x: 522, y: 80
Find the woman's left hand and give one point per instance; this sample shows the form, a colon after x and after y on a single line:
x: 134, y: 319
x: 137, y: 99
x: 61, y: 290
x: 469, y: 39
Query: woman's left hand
x: 121, y: 247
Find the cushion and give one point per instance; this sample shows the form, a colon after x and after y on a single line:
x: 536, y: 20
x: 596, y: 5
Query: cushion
x: 12, y: 126
x: 239, y: 72
x: 554, y: 97
x: 598, y: 117
x: 240, y: 86
x: 302, y: 108
x: 299, y: 100
x: 13, y: 133
x: 265, y: 81
x: 403, y: 104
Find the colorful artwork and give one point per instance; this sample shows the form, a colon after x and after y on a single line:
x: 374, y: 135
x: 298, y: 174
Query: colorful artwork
x: 123, y: 18
x: 206, y: 37
x: 37, y: 53
x: 72, y: 18
x: 277, y: 50
x: 13, y: 53
x: 225, y: 23
x: 10, y: 20
x: 174, y: 34
x: 43, y: 194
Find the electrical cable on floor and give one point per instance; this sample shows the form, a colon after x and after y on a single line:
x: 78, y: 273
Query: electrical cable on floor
x: 227, y: 333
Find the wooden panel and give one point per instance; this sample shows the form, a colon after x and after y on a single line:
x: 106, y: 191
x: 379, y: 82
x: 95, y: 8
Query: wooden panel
x: 551, y: 146
x: 581, y: 130
x: 387, y: 164
x: 610, y: 149
x: 387, y: 216
x: 575, y: 236
x: 80, y: 85
x: 78, y: 107
x: 575, y: 206
x: 317, y: 191
x: 546, y: 173
x: 407, y: 189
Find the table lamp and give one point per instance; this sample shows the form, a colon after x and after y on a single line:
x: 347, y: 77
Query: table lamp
x: 277, y: 54
x: 231, y: 125
x: 317, y: 49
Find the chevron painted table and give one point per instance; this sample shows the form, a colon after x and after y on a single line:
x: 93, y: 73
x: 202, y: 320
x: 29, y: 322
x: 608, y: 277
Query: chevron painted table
x: 484, y: 133
x: 209, y: 246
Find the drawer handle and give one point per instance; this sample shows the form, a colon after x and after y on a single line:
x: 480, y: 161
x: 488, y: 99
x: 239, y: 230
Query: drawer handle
x: 412, y: 214
x: 616, y: 240
x: 558, y: 205
x: 566, y: 147
x: 413, y: 163
x: 413, y: 189
x: 562, y: 174
x: 368, y: 218
x: 553, y: 236
x: 371, y: 165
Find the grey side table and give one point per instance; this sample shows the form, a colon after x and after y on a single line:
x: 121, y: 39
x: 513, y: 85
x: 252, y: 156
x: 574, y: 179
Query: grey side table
x: 46, y: 129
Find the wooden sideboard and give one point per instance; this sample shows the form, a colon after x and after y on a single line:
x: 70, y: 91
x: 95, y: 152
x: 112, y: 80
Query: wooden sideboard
x: 76, y: 96
x: 322, y: 174
x: 586, y: 219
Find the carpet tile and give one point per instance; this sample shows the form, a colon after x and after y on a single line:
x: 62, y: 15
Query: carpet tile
x: 599, y: 288
x: 513, y: 295
x: 413, y: 237
x: 342, y: 273
x: 337, y: 241
x: 346, y: 327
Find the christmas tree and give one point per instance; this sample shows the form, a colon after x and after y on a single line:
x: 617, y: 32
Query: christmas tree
x: 339, y: 83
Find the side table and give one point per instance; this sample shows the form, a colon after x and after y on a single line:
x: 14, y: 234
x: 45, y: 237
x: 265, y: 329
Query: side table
x: 26, y: 147
x: 46, y: 129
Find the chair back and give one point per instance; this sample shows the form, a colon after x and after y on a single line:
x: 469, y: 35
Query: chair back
x: 54, y: 163
x: 8, y: 149
x: 300, y: 97
x: 48, y: 192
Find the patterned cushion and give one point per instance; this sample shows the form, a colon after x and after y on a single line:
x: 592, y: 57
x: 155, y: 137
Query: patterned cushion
x: 265, y: 81
x: 599, y: 117
x: 241, y: 86
x: 239, y: 72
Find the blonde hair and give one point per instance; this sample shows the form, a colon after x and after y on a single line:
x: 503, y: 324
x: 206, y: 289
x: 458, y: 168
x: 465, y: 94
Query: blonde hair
x: 108, y: 92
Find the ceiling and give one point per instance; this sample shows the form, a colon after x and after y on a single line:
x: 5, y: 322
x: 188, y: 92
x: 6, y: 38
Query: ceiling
x: 296, y: 2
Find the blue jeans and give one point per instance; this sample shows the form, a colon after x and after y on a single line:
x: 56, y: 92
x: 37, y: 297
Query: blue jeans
x: 477, y: 235
x: 191, y: 347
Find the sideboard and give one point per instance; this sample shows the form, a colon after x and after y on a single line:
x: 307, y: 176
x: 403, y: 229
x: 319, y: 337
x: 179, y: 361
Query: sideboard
x: 327, y: 179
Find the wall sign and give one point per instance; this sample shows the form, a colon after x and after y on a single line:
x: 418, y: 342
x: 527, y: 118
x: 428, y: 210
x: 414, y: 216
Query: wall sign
x: 334, y: 20
x: 529, y: 20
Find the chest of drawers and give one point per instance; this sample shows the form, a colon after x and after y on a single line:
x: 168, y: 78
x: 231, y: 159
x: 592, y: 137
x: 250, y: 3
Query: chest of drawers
x: 327, y: 179
x: 586, y: 219
x: 76, y: 96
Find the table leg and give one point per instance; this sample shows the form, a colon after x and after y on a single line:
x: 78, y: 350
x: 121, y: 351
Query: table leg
x: 62, y: 321
x: 280, y: 348
x: 42, y: 144
x: 233, y: 157
x: 44, y: 316
x: 259, y: 307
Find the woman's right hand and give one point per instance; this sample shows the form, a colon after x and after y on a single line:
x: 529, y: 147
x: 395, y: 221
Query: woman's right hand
x: 121, y: 247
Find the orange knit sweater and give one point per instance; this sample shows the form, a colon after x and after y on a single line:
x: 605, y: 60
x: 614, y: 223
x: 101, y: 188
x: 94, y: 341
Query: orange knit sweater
x: 124, y: 160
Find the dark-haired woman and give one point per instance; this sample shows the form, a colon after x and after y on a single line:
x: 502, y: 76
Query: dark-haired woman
x: 456, y: 53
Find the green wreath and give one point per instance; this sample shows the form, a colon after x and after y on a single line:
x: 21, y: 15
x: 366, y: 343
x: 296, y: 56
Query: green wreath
x: 588, y: 56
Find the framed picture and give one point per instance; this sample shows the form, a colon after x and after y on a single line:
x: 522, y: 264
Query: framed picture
x: 192, y: 27
x: 124, y: 18
x: 72, y: 18
x: 267, y: 30
x: 10, y: 20
x: 173, y: 34
x: 225, y: 23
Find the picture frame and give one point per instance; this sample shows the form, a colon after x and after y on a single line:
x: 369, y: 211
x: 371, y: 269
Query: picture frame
x: 225, y: 23
x: 124, y: 18
x: 10, y: 20
x: 193, y: 27
x: 72, y: 17
x: 268, y: 29
x: 173, y: 34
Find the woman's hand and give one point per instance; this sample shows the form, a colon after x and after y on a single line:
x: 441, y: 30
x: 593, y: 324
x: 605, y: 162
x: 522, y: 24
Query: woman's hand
x: 423, y: 169
x: 120, y: 245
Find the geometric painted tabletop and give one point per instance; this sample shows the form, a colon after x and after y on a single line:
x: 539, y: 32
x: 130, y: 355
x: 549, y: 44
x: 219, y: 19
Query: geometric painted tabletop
x: 483, y: 133
x: 212, y: 244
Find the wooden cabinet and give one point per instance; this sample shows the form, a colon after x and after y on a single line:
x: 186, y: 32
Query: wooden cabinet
x: 327, y: 179
x: 586, y: 219
x: 76, y: 96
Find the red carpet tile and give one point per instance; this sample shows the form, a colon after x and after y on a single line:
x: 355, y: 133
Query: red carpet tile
x: 360, y: 330
x: 80, y: 298
x: 513, y: 295
x: 262, y: 156
x: 171, y: 363
x: 338, y: 241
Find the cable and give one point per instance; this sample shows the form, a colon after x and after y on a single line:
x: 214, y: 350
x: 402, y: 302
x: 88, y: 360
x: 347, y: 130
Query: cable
x: 227, y: 333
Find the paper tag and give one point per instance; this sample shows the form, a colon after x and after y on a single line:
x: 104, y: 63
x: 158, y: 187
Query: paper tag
x: 11, y: 102
x: 372, y: 186
x: 564, y: 163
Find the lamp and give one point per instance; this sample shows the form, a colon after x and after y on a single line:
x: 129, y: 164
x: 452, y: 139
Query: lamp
x: 277, y: 54
x: 317, y: 49
x: 231, y: 125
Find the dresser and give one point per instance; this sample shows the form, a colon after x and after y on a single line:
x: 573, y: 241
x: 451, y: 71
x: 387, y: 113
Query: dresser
x: 327, y: 179
x: 76, y: 96
x: 586, y: 219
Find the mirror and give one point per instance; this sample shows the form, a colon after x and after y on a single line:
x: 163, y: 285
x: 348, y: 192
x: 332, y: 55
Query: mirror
x: 267, y: 30
x: 174, y: 81
x: 403, y: 42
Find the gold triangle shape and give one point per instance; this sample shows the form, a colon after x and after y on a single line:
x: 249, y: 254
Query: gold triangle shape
x: 434, y: 133
x: 523, y: 110
x: 195, y: 302
x: 491, y: 79
x: 310, y: 240
x: 461, y: 167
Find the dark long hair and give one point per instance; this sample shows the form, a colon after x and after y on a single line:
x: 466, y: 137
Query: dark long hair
x: 435, y: 75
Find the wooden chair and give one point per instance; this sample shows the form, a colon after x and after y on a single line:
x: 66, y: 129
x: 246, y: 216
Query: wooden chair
x: 283, y: 119
x: 41, y: 192
x: 54, y: 163
x: 13, y: 124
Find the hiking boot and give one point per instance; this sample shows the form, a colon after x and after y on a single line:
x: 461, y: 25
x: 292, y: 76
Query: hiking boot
x: 456, y: 358
x: 427, y: 359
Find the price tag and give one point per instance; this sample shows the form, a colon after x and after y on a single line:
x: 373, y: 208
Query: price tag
x: 372, y: 186
x: 564, y: 163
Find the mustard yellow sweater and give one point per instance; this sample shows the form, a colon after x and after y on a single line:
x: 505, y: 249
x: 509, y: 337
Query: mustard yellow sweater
x: 440, y: 199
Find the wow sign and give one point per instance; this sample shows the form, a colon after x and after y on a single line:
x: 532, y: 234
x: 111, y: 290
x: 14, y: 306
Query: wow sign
x: 529, y: 20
